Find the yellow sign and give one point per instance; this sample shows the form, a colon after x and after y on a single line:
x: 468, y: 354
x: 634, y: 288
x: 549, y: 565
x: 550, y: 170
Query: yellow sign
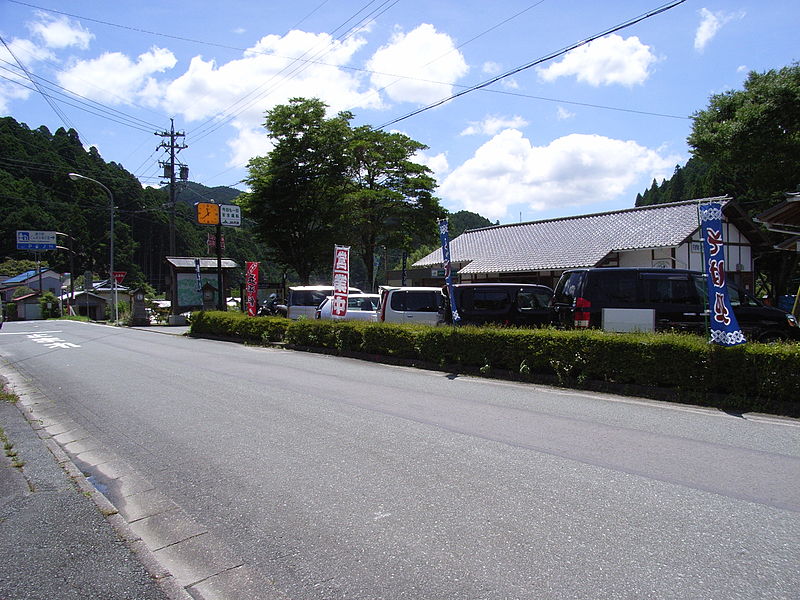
x: 207, y: 213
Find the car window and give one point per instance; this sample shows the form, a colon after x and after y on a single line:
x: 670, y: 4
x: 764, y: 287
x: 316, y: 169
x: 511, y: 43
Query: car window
x: 567, y: 288
x: 367, y: 304
x: 615, y: 287
x: 398, y: 302
x: 421, y: 301
x: 306, y: 298
x: 663, y: 289
x: 531, y: 300
x: 490, y: 300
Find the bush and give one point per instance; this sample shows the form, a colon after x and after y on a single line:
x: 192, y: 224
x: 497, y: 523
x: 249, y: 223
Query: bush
x: 682, y: 367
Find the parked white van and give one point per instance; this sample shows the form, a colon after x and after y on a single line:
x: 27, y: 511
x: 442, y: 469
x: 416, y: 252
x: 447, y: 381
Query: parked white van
x: 303, y: 300
x: 410, y: 305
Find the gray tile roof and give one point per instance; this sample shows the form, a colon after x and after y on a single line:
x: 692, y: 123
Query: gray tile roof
x: 185, y: 262
x: 568, y: 242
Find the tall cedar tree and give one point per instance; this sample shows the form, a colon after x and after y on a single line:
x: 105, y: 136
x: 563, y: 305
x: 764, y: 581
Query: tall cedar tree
x: 297, y: 191
x: 325, y: 183
x: 390, y: 201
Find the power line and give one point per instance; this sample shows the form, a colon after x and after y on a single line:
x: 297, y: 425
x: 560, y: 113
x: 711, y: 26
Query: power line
x: 538, y: 61
x: 98, y: 111
x: 296, y: 69
x: 47, y: 99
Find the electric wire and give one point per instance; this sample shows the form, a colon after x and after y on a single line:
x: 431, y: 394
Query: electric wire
x: 295, y: 67
x: 64, y: 119
x: 536, y: 62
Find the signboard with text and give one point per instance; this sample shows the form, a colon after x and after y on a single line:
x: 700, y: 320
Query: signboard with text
x: 36, y: 240
x: 230, y: 215
x: 341, y: 280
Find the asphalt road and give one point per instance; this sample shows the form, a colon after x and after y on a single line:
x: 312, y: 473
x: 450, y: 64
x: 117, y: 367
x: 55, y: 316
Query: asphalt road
x: 324, y: 478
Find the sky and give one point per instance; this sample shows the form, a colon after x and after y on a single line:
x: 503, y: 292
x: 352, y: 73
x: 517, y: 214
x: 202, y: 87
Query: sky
x: 522, y: 121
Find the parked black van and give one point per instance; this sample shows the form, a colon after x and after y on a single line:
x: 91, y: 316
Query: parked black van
x: 624, y: 299
x: 523, y: 304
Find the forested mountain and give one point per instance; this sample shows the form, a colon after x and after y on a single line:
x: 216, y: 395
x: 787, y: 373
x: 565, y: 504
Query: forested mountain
x: 693, y: 180
x: 36, y: 193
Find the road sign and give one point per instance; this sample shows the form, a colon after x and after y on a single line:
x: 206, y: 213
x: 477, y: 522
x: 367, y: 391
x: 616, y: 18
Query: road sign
x: 36, y: 240
x: 230, y: 215
x: 119, y: 276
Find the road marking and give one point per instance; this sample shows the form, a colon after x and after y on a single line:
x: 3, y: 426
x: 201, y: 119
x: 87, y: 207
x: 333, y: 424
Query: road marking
x: 28, y: 332
x: 50, y: 341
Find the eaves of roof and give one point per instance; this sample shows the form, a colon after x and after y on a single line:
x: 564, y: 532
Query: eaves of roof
x: 569, y: 242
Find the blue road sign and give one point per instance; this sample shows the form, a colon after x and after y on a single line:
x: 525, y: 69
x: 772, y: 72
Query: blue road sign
x: 36, y: 240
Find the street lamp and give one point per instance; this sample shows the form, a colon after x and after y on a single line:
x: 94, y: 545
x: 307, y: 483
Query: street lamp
x: 112, y: 279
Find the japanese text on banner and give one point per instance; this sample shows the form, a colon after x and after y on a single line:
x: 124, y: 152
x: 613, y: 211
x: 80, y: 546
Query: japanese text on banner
x: 448, y: 274
x: 341, y: 280
x: 251, y: 288
x: 725, y: 329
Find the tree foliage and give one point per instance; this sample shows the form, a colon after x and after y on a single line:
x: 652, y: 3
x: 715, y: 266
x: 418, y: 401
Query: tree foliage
x: 327, y: 183
x: 37, y: 194
x: 750, y: 138
x: 745, y: 144
x: 297, y: 190
x: 390, y: 200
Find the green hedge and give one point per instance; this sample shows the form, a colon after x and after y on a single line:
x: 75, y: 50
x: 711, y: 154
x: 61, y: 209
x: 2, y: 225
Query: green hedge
x: 674, y: 366
x: 238, y: 325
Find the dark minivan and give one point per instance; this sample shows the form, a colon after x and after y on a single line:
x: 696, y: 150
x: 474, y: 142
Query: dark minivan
x: 625, y: 299
x: 523, y: 304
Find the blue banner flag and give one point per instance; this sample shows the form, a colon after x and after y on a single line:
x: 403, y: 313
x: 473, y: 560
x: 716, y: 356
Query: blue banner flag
x: 725, y: 330
x: 448, y: 275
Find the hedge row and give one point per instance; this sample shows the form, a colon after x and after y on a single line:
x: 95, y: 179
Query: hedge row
x: 681, y: 367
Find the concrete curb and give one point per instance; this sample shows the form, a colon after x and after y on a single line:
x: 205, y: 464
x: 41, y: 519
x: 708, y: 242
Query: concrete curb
x: 160, y: 574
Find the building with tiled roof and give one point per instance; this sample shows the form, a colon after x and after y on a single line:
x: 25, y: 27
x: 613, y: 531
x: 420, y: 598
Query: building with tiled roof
x: 662, y: 235
x: 47, y: 279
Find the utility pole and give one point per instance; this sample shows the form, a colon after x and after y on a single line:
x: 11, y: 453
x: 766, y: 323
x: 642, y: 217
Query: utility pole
x: 172, y: 145
x: 169, y: 174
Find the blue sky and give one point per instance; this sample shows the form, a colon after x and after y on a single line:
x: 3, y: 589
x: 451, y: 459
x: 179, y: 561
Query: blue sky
x: 582, y: 132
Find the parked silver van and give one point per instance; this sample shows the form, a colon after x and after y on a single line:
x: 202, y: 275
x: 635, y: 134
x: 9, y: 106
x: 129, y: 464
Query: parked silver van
x: 303, y: 300
x: 410, y: 305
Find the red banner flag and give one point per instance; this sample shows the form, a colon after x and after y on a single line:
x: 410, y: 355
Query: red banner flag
x: 341, y: 280
x: 251, y: 288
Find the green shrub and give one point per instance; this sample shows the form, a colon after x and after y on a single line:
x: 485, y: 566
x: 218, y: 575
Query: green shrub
x: 749, y: 377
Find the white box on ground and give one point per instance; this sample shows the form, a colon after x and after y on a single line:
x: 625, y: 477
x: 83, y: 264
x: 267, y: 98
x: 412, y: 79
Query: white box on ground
x: 629, y: 319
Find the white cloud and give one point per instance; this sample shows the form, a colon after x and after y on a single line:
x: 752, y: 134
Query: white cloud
x: 428, y: 58
x: 606, y: 61
x: 16, y: 85
x: 573, y: 170
x: 60, y: 32
x: 491, y: 68
x: 436, y: 163
x: 563, y: 114
x: 113, y: 78
x: 249, y: 142
x: 742, y: 69
x: 267, y: 75
x: 492, y: 124
x: 710, y: 24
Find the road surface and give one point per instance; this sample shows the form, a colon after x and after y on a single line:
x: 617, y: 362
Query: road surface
x: 278, y: 474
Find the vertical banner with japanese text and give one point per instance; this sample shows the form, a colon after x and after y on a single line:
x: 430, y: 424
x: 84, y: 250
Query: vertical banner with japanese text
x: 341, y: 280
x: 448, y: 275
x: 725, y: 329
x: 251, y: 288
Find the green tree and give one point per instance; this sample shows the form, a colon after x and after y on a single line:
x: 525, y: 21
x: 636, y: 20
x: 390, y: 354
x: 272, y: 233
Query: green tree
x: 390, y: 200
x: 750, y: 141
x: 751, y: 137
x: 49, y: 306
x: 459, y: 222
x: 13, y: 267
x: 297, y: 191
